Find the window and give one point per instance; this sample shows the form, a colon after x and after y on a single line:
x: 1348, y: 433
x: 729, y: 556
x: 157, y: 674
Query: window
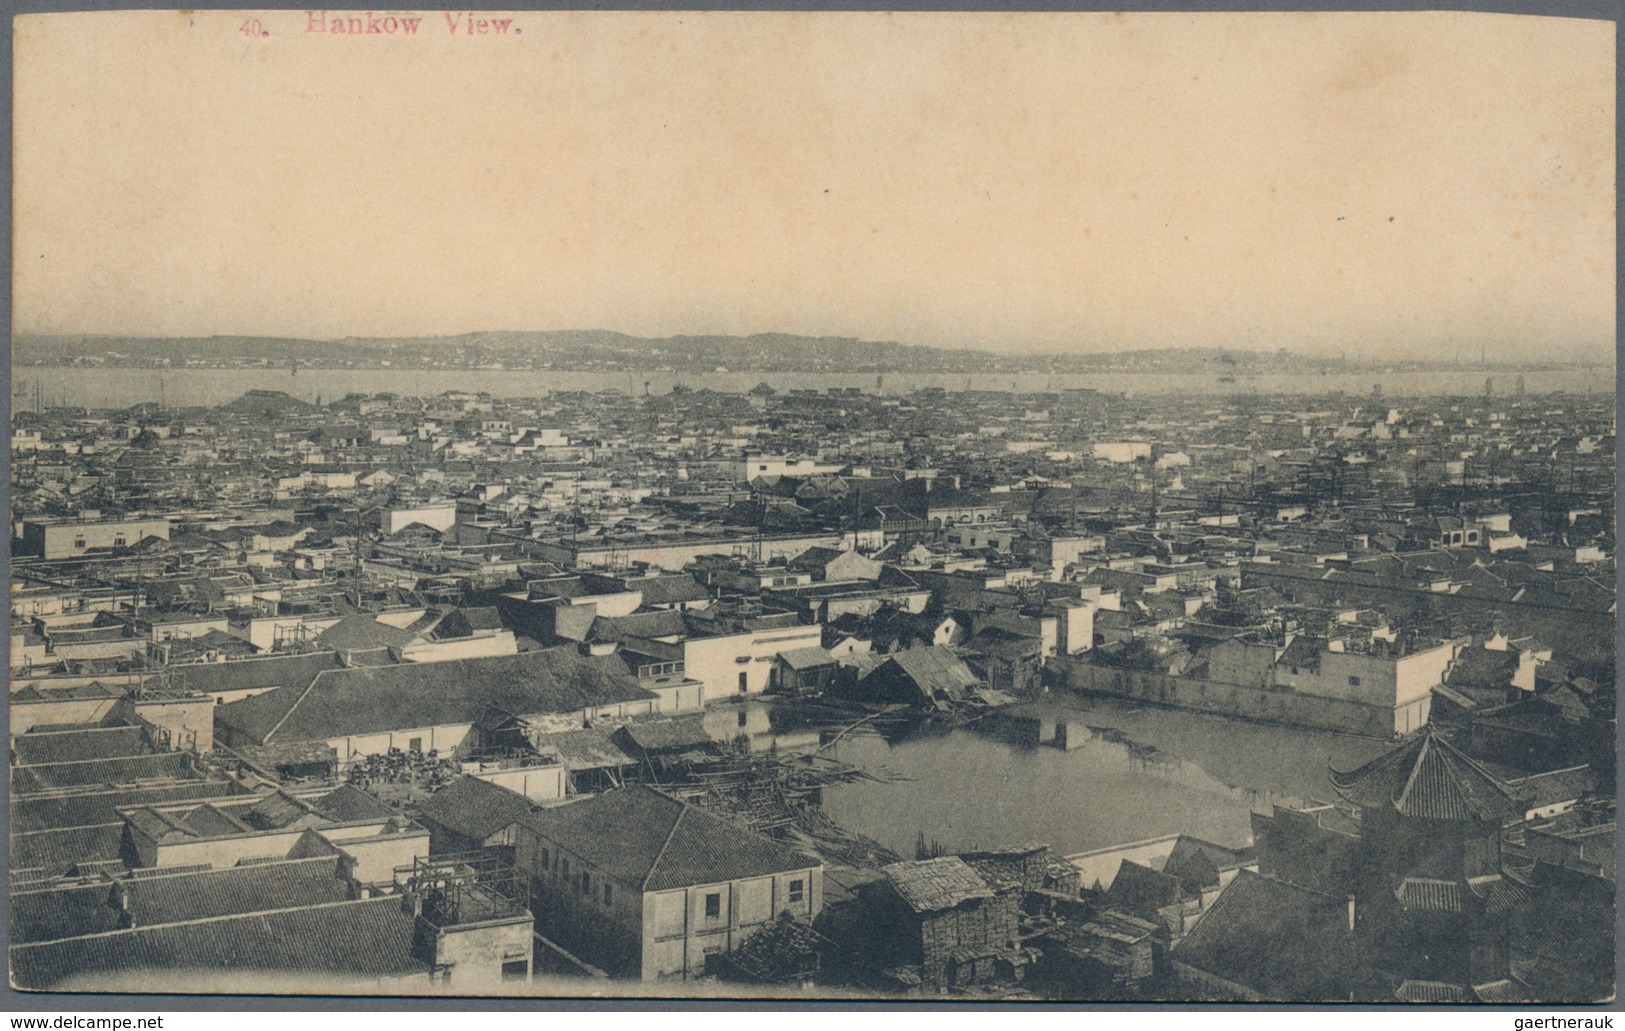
x: 713, y: 906
x: 797, y: 890
x: 609, y: 894
x: 547, y: 859
x: 741, y: 717
x: 586, y: 883
x: 744, y: 683
x: 119, y: 541
x: 515, y: 969
x: 1354, y: 681
x: 415, y: 745
x: 564, y: 866
x: 79, y: 542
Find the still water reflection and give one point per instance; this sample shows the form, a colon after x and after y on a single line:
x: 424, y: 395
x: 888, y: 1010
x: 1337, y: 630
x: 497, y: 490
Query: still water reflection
x: 968, y: 790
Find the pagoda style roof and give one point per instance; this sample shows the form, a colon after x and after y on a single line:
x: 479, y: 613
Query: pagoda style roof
x: 1429, y: 778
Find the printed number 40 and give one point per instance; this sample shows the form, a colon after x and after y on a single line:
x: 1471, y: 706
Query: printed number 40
x: 254, y: 29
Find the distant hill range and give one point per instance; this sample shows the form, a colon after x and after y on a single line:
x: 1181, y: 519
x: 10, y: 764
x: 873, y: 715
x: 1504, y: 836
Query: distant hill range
x: 268, y: 404
x: 602, y: 350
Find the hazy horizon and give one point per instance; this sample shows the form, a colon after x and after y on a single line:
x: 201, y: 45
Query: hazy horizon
x: 1502, y: 352
x: 1402, y: 185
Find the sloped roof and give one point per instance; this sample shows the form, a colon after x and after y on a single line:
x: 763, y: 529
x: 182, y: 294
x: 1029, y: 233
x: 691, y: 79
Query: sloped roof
x: 661, y: 623
x: 643, y: 837
x: 127, y: 769
x: 930, y: 885
x: 238, y: 889
x: 358, y: 632
x: 669, y: 590
x: 1482, y: 668
x: 935, y: 669
x: 677, y: 734
x: 474, y: 808
x: 370, y: 938
x: 376, y: 699
x: 79, y: 745
x: 1240, y: 940
x: 348, y: 803
x: 53, y: 913
x: 1140, y: 890
x: 1429, y: 778
x: 806, y: 658
x: 56, y: 850
x: 589, y: 748
x: 99, y: 807
x: 295, y: 671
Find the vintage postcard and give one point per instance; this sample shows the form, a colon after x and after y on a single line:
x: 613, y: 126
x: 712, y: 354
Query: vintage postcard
x: 933, y: 506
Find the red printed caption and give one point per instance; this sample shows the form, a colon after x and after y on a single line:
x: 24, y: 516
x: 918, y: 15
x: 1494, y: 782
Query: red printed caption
x: 370, y: 23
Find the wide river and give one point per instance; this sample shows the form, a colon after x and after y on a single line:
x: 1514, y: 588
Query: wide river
x: 964, y: 789
x: 106, y: 388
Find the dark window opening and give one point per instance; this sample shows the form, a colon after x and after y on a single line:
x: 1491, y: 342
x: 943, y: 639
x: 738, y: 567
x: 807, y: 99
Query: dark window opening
x: 515, y: 969
x: 713, y: 906
x: 744, y: 683
x: 797, y: 891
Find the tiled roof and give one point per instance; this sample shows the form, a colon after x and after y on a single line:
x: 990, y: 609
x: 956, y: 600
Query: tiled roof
x: 806, y: 658
x: 677, y: 734
x: 589, y: 748
x: 1427, y: 777
x: 930, y: 885
x: 347, y: 803
x: 94, y: 807
x: 1431, y: 991
x: 641, y: 836
x: 1502, y: 992
x: 1140, y: 890
x: 1240, y: 939
x: 170, y: 897
x: 1425, y: 894
x: 670, y: 590
x: 275, y: 811
x: 375, y: 699
x: 1500, y: 893
x: 359, y: 632
x: 241, y: 889
x: 474, y: 808
x: 56, y: 850
x: 367, y: 939
x: 77, y: 746
x: 122, y: 770
x: 292, y: 671
x: 60, y: 912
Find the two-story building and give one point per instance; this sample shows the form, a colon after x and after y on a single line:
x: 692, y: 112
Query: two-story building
x: 644, y: 885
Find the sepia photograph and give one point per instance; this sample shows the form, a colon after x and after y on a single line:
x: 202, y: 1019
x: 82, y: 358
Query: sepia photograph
x: 1096, y: 507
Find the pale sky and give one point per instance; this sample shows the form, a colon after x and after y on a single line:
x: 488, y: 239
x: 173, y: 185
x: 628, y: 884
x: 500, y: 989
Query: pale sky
x: 1401, y: 182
